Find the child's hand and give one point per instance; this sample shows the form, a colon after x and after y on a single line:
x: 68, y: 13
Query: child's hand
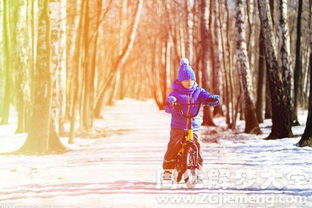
x: 171, y: 100
x: 216, y: 97
x: 213, y: 100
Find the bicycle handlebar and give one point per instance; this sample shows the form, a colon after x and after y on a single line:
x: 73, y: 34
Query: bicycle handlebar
x: 178, y: 105
x: 188, y: 116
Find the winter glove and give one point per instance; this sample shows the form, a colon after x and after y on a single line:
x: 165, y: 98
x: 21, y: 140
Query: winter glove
x: 215, y: 98
x: 171, y: 100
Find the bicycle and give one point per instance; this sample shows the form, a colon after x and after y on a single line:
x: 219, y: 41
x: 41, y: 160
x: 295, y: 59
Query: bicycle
x: 188, y: 158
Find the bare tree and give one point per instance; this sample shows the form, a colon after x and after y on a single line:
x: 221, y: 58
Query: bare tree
x: 284, y: 56
x: 306, y: 139
x: 120, y: 59
x: 19, y: 39
x: 76, y: 73
x: 281, y: 126
x: 226, y: 86
x: 216, y: 83
x: 7, y: 62
x: 251, y: 124
x: 261, y: 80
x: 231, y: 78
x: 42, y: 140
x: 189, y: 31
x: 58, y: 59
x: 298, y: 65
x: 205, y: 35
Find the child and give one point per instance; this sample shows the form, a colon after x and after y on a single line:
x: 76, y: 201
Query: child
x: 185, y: 91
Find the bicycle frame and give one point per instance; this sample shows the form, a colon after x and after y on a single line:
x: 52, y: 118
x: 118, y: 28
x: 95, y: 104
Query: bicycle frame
x: 188, y: 143
x: 190, y: 130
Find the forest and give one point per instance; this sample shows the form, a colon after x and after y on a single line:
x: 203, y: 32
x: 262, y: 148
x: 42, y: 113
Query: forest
x: 64, y: 61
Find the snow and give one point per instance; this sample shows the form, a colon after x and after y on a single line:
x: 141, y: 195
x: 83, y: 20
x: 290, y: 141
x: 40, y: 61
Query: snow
x: 123, y: 170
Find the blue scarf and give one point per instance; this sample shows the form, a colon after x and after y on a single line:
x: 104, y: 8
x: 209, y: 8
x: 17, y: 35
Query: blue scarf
x: 176, y: 86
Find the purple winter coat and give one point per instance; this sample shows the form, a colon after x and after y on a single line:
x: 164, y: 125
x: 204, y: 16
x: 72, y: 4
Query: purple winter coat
x: 186, y: 96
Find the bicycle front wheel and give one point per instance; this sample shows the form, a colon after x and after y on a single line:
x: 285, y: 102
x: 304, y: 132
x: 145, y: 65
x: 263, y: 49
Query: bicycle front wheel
x: 191, y: 160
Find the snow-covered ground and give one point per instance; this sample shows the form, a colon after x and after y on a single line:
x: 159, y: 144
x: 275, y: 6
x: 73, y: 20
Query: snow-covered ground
x: 123, y: 170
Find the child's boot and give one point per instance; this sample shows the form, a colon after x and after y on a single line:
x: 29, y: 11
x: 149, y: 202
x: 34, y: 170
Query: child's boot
x: 168, y: 174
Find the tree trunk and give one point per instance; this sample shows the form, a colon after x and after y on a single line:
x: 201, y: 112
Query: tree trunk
x: 153, y: 74
x: 121, y: 58
x: 306, y: 139
x: 226, y: 90
x: 123, y: 22
x: 298, y: 65
x: 251, y: 122
x: 284, y: 55
x: 7, y: 63
x: 39, y: 140
x: 268, y: 100
x: 189, y: 32
x: 77, y: 73
x: 217, y: 67
x: 58, y: 57
x: 167, y: 70
x: 72, y: 35
x: 19, y: 40
x: 88, y: 69
x: 62, y: 74
x: 229, y: 49
x: 205, y: 35
x: 93, y: 64
x: 236, y: 109
x: 34, y: 37
x: 261, y: 79
x: 117, y: 90
x: 281, y: 126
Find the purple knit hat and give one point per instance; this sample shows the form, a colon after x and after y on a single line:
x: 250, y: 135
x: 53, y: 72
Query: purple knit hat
x: 185, y: 70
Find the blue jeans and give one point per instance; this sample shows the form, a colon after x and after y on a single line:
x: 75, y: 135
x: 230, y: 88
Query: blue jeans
x: 174, y: 145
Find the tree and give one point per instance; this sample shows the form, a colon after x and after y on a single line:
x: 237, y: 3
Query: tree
x: 121, y: 59
x: 189, y: 32
x: 251, y: 122
x: 7, y: 62
x: 120, y: 77
x: 261, y: 79
x: 20, y: 39
x: 216, y: 81
x: 268, y: 100
x: 76, y: 71
x: 281, y: 126
x: 42, y: 140
x: 230, y: 76
x: 284, y: 56
x: 58, y: 58
x: 298, y: 65
x: 205, y: 35
x: 306, y: 139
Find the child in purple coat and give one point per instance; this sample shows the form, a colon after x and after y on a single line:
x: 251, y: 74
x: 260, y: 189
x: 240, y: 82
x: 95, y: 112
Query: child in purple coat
x: 184, y: 91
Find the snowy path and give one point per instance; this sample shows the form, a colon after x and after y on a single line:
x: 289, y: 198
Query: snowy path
x: 123, y: 170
